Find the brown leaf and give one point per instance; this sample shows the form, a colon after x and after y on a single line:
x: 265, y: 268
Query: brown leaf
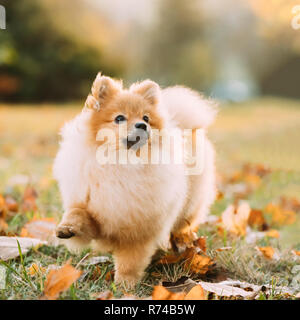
x: 169, y: 259
x: 60, y: 280
x: 256, y: 219
x: 161, y: 293
x: 110, y: 276
x: 29, y: 200
x: 197, y: 293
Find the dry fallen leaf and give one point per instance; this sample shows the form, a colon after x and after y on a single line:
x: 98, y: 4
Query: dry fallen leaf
x: 197, y: 293
x: 196, y: 262
x: 235, y: 220
x: 273, y: 234
x: 60, y: 280
x: 181, y: 241
x: 9, y: 246
x: 290, y: 204
x: 256, y: 219
x: 161, y: 293
x: 11, y: 204
x: 110, y: 275
x: 36, y: 269
x: 230, y: 288
x: 29, y: 200
x: 169, y: 259
x: 280, y: 216
x: 268, y: 252
x: 296, y: 252
x: 106, y: 295
x: 42, y: 229
x: 2, y: 208
x: 201, y: 243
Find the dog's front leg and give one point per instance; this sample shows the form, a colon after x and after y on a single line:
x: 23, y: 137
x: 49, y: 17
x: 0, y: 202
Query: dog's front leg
x: 77, y: 222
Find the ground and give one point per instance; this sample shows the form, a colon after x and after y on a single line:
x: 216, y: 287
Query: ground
x: 263, y: 132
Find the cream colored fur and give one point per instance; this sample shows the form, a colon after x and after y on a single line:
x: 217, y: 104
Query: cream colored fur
x: 130, y: 210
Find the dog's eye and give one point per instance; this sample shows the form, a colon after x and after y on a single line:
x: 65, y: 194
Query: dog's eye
x: 120, y: 118
x: 146, y: 118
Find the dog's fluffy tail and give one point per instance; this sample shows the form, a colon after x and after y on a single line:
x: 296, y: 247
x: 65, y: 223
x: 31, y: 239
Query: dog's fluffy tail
x: 187, y: 108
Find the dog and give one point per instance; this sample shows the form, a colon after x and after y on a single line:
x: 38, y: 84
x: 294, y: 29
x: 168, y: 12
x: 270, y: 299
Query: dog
x: 130, y: 209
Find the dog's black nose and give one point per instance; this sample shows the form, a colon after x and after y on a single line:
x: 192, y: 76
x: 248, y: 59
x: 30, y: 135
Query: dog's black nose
x: 141, y: 125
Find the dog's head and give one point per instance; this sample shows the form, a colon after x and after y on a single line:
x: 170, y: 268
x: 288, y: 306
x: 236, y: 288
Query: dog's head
x: 131, y: 114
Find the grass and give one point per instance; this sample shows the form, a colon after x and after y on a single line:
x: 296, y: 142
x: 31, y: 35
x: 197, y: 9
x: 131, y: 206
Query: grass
x: 264, y: 131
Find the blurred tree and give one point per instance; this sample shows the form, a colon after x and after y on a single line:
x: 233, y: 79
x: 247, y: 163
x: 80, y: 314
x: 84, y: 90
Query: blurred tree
x: 176, y: 50
x: 40, y: 63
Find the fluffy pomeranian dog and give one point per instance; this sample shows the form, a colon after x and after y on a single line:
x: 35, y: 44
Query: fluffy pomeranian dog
x: 130, y: 209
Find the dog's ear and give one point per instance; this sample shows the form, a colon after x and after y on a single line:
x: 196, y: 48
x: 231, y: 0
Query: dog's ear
x: 148, y: 89
x: 103, y: 90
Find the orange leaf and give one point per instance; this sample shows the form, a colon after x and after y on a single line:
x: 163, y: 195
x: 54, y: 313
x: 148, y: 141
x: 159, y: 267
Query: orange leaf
x: 2, y: 208
x: 296, y: 252
x: 197, y: 293
x: 11, y: 204
x: 60, y: 280
x: 273, y: 234
x: 197, y: 263
x: 3, y: 225
x: 280, y: 216
x: 201, y: 243
x: 161, y: 293
x: 268, y: 252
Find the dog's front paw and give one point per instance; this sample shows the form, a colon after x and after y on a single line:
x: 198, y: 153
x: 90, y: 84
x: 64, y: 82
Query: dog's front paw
x: 65, y: 231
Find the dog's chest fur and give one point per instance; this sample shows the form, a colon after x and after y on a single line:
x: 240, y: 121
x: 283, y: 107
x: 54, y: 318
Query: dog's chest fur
x: 124, y: 197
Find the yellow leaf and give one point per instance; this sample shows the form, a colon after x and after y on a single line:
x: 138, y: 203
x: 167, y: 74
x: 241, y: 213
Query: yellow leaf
x: 60, y: 280
x: 36, y: 269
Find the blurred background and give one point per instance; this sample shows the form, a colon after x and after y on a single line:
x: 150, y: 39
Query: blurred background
x: 230, y: 49
x: 243, y: 53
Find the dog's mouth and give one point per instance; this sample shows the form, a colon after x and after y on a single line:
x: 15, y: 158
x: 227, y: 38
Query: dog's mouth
x: 136, y: 140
